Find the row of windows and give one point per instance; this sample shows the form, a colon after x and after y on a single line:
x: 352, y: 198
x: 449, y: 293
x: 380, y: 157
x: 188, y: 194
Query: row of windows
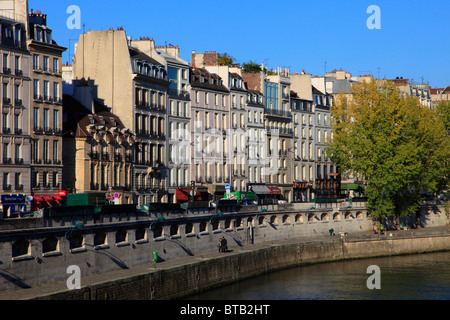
x: 7, y: 58
x: 218, y: 99
x: 44, y: 64
x: 43, y: 148
x: 44, y: 177
x: 103, y: 173
x: 44, y: 115
x: 46, y: 91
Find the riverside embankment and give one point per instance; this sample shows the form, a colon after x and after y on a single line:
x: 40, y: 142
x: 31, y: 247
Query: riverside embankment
x: 181, y: 277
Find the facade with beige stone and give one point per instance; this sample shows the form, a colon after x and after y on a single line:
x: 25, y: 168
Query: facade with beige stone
x: 46, y: 111
x: 131, y: 79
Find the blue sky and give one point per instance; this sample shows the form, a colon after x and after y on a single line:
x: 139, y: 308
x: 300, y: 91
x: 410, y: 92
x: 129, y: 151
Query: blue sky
x: 301, y: 35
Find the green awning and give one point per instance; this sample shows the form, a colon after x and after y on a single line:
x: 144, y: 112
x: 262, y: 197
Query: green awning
x: 244, y: 195
x: 351, y: 186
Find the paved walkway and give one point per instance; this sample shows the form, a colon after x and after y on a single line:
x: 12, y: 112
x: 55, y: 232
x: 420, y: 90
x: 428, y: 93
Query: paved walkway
x: 44, y: 289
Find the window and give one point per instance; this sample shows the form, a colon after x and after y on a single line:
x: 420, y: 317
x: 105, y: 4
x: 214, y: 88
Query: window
x: 17, y: 151
x: 18, y: 180
x: 5, y: 122
x: 5, y: 150
x: 46, y: 90
x: 5, y: 61
x: 36, y: 118
x: 5, y: 91
x: 17, y: 123
x: 55, y: 119
x: 35, y: 62
x: 5, y: 180
x: 35, y: 89
x: 17, y: 64
x: 55, y: 91
x: 55, y: 179
x: 46, y: 119
x: 55, y: 151
x: 45, y: 150
x: 45, y: 63
x: 45, y: 179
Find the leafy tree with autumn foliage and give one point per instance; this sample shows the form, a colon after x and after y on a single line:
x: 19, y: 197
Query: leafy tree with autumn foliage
x: 399, y: 148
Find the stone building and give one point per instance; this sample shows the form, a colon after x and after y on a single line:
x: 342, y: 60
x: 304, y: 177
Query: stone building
x: 179, y: 123
x: 304, y: 143
x: 15, y: 99
x: 98, y: 148
x: 237, y: 123
x: 131, y: 79
x: 279, y: 128
x: 210, y: 151
x: 46, y: 112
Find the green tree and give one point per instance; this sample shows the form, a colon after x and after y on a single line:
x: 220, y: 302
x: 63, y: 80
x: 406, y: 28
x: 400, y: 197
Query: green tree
x: 251, y: 67
x: 225, y: 59
x: 397, y: 146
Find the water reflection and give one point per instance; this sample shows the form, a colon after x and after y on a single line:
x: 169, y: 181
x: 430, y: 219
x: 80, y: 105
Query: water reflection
x: 425, y: 276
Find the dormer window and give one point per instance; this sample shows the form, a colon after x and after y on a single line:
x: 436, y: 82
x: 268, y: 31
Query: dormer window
x: 38, y: 34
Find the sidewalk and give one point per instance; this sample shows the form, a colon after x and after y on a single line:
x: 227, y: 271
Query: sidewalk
x: 44, y: 289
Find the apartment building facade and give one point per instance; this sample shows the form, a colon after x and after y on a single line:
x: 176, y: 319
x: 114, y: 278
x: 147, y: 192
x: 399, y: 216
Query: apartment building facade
x: 178, y: 124
x: 279, y: 128
x: 304, y: 120
x: 98, y: 148
x: 237, y: 136
x: 210, y: 151
x: 14, y: 136
x: 46, y: 112
x: 131, y: 79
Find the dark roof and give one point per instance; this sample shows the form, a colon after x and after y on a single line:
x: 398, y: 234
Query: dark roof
x: 79, y: 118
x: 196, y: 80
x: 235, y: 75
x: 138, y: 54
x: 257, y: 92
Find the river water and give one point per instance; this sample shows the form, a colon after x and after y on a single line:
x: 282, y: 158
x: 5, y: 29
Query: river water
x: 424, y: 277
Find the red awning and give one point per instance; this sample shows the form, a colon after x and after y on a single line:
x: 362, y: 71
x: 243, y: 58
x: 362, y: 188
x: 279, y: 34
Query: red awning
x: 184, y: 194
x: 58, y: 198
x: 47, y: 198
x: 38, y: 198
x: 275, y: 191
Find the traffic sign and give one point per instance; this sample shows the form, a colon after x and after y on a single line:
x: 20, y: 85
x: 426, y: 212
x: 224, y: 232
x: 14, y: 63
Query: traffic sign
x: 227, y: 187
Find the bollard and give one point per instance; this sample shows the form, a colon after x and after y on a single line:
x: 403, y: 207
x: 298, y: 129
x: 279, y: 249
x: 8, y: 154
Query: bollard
x: 155, y: 257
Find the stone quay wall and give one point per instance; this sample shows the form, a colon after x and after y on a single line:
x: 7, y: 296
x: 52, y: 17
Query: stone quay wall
x: 42, y: 252
x: 189, y: 279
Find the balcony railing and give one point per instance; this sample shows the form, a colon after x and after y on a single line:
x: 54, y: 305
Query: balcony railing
x: 179, y: 94
x: 18, y: 103
x: 279, y: 113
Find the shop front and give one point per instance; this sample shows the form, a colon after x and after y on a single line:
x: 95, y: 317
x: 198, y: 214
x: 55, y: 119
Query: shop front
x: 185, y: 195
x: 12, y: 205
x: 302, y: 191
x: 46, y: 201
